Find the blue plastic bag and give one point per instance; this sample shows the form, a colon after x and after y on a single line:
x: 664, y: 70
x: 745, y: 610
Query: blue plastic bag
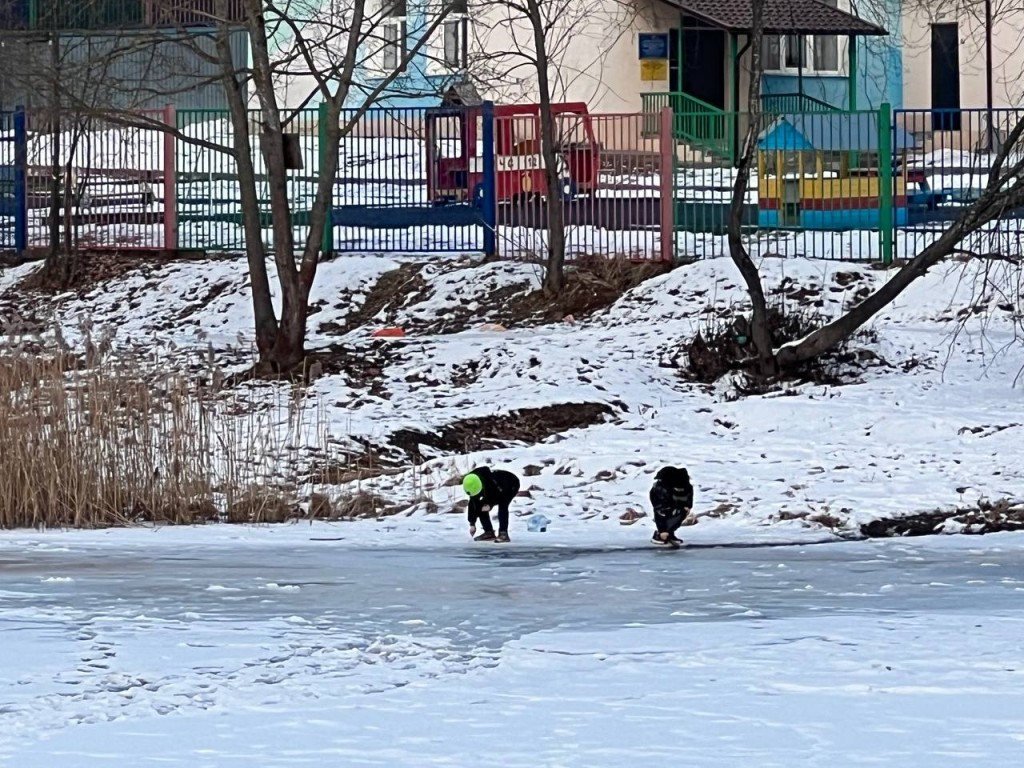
x: 537, y: 524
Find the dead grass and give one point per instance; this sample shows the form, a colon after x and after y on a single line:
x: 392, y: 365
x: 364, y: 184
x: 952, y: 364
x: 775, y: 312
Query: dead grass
x: 92, y: 266
x: 592, y: 284
x: 93, y: 438
x: 724, y: 346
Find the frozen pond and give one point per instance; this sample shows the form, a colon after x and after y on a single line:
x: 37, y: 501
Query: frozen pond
x: 184, y: 651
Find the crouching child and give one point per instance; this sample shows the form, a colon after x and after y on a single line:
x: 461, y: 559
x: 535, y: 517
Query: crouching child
x: 672, y: 500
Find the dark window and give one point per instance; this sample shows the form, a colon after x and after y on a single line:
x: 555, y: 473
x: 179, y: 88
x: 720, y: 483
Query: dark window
x: 945, y: 77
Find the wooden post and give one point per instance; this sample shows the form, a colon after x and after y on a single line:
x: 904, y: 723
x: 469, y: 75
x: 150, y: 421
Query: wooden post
x: 667, y: 221
x: 170, y: 181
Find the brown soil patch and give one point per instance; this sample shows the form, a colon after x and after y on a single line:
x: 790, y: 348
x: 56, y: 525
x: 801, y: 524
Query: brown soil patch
x: 986, y: 517
x: 393, y: 290
x: 591, y: 285
x: 95, y: 266
x: 362, y: 366
x: 528, y: 425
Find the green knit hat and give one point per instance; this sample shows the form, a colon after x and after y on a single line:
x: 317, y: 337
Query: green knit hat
x: 472, y: 484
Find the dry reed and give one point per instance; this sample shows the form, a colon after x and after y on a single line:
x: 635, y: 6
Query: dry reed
x: 93, y: 437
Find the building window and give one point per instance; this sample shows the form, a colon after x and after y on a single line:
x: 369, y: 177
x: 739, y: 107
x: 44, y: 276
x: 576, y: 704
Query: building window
x: 771, y: 53
x: 395, y: 31
x: 456, y: 34
x: 789, y: 53
x: 826, y: 53
x: 811, y: 53
x: 795, y: 48
x: 826, y: 48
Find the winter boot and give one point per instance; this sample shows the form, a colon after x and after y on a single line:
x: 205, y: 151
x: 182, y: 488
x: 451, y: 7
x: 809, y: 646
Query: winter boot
x: 485, y: 536
x: 502, y: 538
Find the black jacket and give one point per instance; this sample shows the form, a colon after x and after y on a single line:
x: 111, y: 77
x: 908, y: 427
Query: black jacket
x: 671, y: 493
x: 500, y: 487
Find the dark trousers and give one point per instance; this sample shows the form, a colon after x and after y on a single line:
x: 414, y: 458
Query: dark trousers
x: 669, y: 523
x: 485, y: 519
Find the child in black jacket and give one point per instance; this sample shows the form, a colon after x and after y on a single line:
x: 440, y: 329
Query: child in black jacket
x: 672, y: 499
x: 487, y: 488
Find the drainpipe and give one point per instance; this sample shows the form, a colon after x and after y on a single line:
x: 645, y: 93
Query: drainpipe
x: 988, y: 74
x: 800, y: 71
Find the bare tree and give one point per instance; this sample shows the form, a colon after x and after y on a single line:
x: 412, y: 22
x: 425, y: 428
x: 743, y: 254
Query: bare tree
x: 543, y: 50
x: 323, y: 47
x: 1003, y: 194
x: 60, y: 71
x: 759, y: 333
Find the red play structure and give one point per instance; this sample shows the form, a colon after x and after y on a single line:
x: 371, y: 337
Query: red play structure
x: 455, y: 167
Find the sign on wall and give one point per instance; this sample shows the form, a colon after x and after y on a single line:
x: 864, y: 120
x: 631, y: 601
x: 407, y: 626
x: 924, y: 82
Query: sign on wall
x: 653, y: 70
x: 653, y: 45
x: 653, y: 53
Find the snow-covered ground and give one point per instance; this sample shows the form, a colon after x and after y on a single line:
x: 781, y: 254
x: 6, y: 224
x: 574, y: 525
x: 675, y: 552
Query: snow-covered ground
x: 934, y: 426
x: 398, y: 642
x: 402, y: 646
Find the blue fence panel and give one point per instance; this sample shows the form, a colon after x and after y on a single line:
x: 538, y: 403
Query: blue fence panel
x: 946, y: 171
x: 13, y: 159
x: 415, y: 180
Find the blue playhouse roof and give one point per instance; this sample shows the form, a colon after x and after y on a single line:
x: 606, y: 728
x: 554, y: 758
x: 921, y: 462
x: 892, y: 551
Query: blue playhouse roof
x: 830, y: 132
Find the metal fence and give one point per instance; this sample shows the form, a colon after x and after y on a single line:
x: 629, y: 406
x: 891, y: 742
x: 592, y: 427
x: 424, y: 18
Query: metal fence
x: 820, y: 187
x: 613, y: 177
x: 946, y: 170
x: 13, y: 218
x: 413, y: 180
x: 207, y: 190
x: 108, y: 188
x: 868, y: 185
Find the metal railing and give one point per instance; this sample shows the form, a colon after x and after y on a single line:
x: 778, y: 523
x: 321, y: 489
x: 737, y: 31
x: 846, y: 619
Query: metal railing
x: 785, y: 103
x: 822, y: 187
x: 826, y: 185
x: 695, y: 122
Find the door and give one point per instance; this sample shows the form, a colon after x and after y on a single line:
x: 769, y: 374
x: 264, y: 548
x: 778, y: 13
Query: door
x: 703, y: 65
x: 945, y: 77
x: 674, y: 60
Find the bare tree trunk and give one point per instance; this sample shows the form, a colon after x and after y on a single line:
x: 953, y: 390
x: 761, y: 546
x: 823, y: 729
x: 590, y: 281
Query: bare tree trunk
x: 69, y: 257
x: 760, y: 334
x: 52, y: 264
x: 843, y: 327
x: 554, y: 273
x: 265, y: 318
x: 289, y: 346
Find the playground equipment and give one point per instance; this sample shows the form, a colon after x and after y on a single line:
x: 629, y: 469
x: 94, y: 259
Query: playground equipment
x: 820, y: 171
x: 455, y: 153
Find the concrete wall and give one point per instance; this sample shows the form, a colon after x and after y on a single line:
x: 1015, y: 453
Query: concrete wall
x: 128, y: 70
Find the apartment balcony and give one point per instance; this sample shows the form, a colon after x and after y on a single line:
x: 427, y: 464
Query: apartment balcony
x: 102, y: 15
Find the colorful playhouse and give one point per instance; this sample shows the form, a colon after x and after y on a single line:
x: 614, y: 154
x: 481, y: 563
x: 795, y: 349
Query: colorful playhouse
x: 819, y: 171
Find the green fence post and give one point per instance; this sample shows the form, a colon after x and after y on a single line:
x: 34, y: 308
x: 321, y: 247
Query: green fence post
x: 885, y: 182
x: 327, y: 240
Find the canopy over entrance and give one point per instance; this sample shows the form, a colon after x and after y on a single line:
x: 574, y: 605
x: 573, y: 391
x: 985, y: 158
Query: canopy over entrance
x: 781, y: 17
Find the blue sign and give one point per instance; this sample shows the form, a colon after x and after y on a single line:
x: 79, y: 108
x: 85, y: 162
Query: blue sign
x: 653, y: 45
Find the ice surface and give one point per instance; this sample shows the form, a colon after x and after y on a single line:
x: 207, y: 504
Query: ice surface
x: 429, y: 651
